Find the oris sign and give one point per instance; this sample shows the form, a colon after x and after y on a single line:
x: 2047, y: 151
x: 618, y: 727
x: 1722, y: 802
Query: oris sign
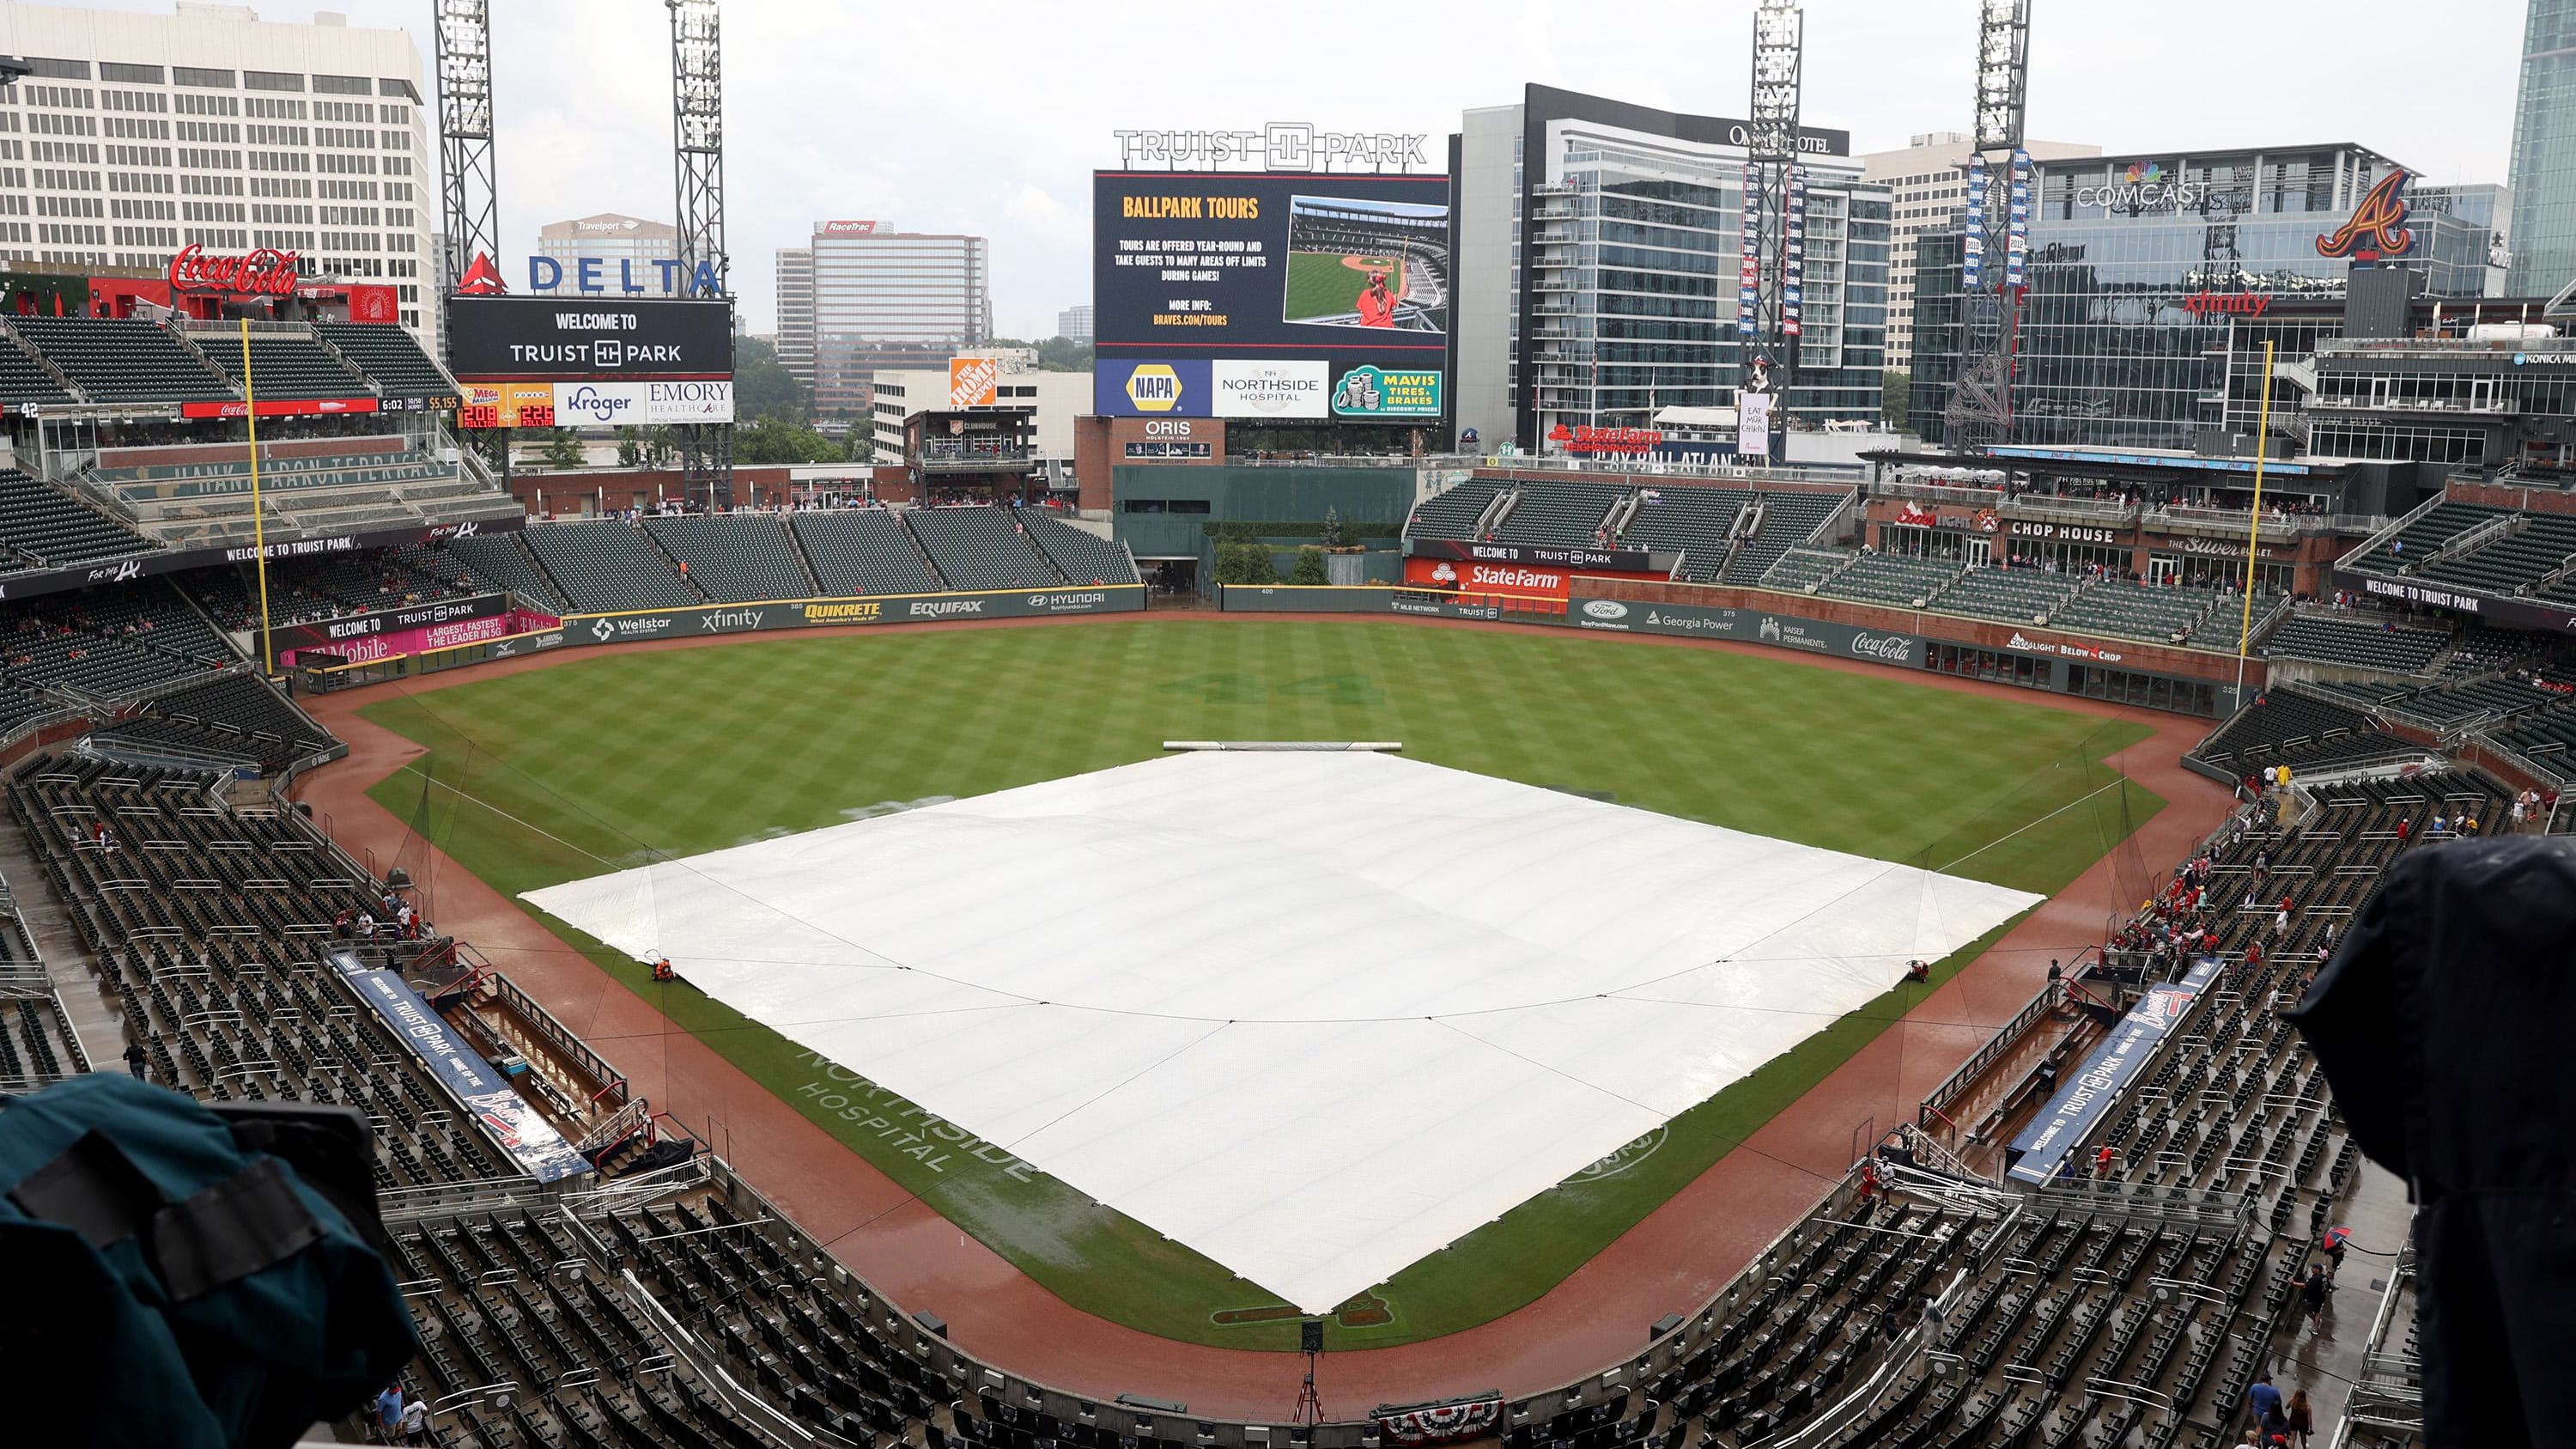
x: 263, y: 273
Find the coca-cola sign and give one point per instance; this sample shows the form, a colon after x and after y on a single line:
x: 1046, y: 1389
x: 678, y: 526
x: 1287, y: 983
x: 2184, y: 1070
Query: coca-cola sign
x: 263, y: 273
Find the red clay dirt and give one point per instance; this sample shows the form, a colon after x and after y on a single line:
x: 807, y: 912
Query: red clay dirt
x: 1670, y: 1262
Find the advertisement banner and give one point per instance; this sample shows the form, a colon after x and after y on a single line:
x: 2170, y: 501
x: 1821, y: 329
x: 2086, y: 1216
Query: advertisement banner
x: 571, y: 339
x: 1590, y: 560
x: 971, y: 381
x: 1163, y: 387
x: 368, y: 647
x: 37, y: 582
x: 389, y: 621
x: 507, y: 405
x: 611, y: 404
x: 639, y: 624
x: 1369, y: 391
x: 292, y: 407
x: 507, y: 1118
x: 1753, y: 626
x: 2042, y: 1146
x: 1484, y: 578
x: 1753, y: 424
x: 1257, y: 388
x: 2496, y: 609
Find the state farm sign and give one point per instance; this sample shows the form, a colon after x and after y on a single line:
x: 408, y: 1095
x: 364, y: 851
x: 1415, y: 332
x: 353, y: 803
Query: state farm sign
x: 263, y: 273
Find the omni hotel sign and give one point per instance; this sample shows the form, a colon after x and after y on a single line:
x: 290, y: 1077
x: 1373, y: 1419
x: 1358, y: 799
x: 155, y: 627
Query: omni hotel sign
x: 1276, y: 146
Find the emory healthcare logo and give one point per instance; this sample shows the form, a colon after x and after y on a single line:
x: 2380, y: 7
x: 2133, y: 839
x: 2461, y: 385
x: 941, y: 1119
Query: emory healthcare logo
x: 1154, y: 388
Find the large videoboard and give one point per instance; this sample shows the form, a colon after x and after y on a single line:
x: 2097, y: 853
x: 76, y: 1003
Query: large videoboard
x: 1270, y: 295
x: 603, y: 339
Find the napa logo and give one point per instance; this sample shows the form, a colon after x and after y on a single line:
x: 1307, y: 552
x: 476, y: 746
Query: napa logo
x: 1153, y: 387
x: 2142, y: 173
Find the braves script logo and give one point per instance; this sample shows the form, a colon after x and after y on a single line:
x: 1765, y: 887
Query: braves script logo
x: 2377, y: 228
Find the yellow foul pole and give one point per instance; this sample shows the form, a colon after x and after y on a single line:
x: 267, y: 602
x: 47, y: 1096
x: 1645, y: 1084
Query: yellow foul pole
x: 2254, y: 524
x: 258, y: 520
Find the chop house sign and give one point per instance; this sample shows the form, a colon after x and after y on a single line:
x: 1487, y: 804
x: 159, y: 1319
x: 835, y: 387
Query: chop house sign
x: 263, y: 273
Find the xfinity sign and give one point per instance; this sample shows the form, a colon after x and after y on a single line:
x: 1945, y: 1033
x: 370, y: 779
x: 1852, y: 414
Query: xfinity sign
x: 1277, y: 146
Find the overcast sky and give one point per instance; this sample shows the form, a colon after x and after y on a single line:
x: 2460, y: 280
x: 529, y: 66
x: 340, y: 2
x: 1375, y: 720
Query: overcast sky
x: 988, y: 118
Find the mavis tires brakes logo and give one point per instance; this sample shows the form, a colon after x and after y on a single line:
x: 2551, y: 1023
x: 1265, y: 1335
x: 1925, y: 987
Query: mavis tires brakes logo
x: 1605, y: 609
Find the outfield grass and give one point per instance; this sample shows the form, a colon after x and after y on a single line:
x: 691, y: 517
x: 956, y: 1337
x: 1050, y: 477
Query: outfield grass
x: 607, y: 761
x: 1320, y: 286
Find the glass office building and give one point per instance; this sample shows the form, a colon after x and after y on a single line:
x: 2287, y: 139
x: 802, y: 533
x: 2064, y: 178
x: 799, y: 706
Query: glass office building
x: 1597, y: 246
x: 2144, y: 272
x: 2544, y: 152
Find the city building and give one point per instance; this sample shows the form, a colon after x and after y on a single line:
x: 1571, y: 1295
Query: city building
x: 136, y: 136
x: 863, y: 296
x: 1050, y: 402
x: 1073, y: 324
x: 795, y: 340
x: 1930, y: 180
x: 2543, y: 169
x: 2154, y: 277
x: 1596, y: 270
x: 625, y: 251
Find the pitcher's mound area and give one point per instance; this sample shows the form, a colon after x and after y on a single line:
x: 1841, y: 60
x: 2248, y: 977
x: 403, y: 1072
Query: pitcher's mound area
x: 1314, y: 1015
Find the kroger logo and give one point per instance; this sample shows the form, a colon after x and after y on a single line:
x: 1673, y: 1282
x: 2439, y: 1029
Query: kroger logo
x: 599, y: 407
x: 1606, y: 609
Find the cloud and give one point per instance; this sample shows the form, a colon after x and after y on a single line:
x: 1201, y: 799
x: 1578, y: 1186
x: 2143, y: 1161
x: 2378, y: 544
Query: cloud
x: 834, y: 109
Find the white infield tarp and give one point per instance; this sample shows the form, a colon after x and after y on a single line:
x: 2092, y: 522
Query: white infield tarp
x: 1314, y: 1015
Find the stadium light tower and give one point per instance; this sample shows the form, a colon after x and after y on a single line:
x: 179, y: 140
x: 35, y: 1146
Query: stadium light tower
x: 1771, y: 282
x: 470, y: 183
x: 1997, y: 218
x: 697, y: 144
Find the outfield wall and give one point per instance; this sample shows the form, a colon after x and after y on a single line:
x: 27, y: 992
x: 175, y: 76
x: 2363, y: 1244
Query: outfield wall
x: 2122, y: 671
x: 628, y: 626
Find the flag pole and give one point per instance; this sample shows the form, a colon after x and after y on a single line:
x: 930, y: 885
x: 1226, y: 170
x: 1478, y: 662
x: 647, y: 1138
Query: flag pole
x: 258, y: 520
x: 2253, y: 523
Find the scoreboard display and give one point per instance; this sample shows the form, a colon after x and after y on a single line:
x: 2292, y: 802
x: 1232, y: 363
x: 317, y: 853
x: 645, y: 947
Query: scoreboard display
x: 507, y: 405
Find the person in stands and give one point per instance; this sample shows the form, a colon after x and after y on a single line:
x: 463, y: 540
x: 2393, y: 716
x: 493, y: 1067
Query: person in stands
x: 2301, y: 1416
x: 2103, y: 1157
x: 389, y: 1407
x: 415, y: 1422
x: 2314, y: 1291
x: 138, y: 1061
x: 2264, y: 1400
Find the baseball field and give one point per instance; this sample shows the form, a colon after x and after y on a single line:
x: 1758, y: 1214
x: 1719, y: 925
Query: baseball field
x: 617, y: 758
x: 1325, y: 286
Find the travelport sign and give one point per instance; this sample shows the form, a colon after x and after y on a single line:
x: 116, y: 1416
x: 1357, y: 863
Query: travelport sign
x: 637, y: 625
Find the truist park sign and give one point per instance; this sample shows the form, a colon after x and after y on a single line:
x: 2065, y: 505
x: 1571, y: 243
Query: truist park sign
x: 263, y: 273
x: 1276, y: 146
